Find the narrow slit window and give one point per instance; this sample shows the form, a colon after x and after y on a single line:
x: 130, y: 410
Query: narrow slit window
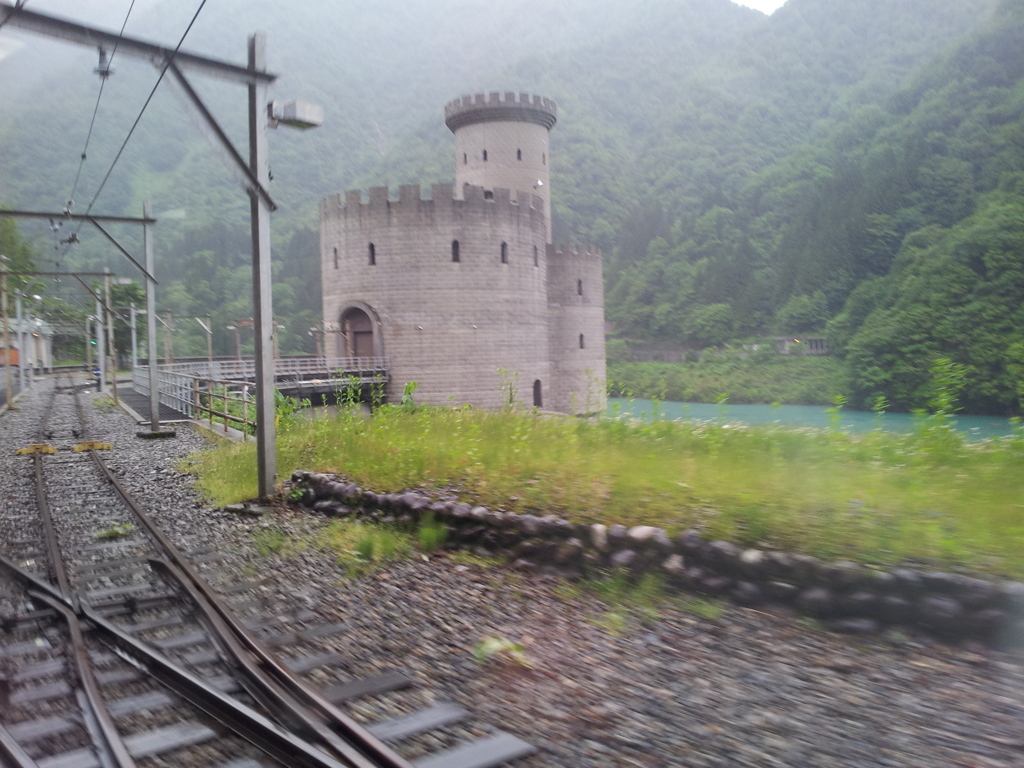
x: 455, y: 250
x: 335, y: 258
x: 582, y: 345
x: 485, y: 155
x: 519, y: 154
x: 371, y: 254
x: 579, y: 287
x: 544, y: 158
x: 536, y: 257
x: 465, y: 158
x: 504, y: 253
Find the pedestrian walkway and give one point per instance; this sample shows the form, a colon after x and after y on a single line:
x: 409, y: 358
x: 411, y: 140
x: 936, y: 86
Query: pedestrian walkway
x: 140, y: 404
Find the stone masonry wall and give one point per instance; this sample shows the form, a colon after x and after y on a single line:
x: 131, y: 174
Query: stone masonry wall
x: 576, y: 307
x: 846, y: 596
x: 448, y: 326
x: 505, y: 142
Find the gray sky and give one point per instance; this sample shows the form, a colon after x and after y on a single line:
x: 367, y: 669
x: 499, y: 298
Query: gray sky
x: 762, y: 5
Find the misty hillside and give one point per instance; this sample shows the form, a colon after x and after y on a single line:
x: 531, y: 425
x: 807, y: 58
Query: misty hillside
x: 732, y: 166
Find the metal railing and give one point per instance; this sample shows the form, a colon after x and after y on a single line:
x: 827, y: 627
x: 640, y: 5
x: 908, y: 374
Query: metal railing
x: 206, y: 393
x: 283, y: 367
x: 191, y: 387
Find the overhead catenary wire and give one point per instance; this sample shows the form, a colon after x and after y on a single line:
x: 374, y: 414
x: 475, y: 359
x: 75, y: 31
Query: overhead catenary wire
x: 142, y: 111
x: 96, y: 109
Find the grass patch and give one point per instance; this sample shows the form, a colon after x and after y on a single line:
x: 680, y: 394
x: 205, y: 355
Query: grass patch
x: 103, y: 403
x: 502, y: 649
x: 362, y: 548
x: 878, y: 497
x: 706, y: 609
x: 432, y: 535
x: 464, y: 557
x: 640, y: 599
x: 116, y: 531
x: 270, y: 541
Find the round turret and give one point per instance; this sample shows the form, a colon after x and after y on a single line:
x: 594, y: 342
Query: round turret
x: 502, y: 143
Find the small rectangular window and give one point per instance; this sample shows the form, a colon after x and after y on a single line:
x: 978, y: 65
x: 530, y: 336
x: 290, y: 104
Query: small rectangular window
x: 371, y: 254
x: 455, y: 250
x: 485, y: 155
x: 581, y: 342
x: 335, y: 258
x: 519, y: 154
x: 504, y: 253
x: 536, y: 257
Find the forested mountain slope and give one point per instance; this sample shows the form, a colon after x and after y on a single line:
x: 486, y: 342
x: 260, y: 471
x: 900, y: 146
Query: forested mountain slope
x: 744, y: 174
x: 909, y: 208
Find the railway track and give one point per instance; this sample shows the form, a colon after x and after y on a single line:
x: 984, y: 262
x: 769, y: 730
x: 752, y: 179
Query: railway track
x: 119, y: 649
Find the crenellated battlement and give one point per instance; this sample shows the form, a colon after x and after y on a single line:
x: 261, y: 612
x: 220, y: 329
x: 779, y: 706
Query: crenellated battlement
x: 442, y: 197
x: 495, y: 107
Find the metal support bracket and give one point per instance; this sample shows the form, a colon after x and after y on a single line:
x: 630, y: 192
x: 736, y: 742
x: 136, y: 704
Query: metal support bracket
x: 91, y: 37
x: 92, y: 445
x: 119, y: 247
x: 98, y: 298
x: 28, y: 450
x: 255, y: 187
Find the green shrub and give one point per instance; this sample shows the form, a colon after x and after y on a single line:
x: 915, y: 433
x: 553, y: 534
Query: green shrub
x: 364, y: 547
x: 431, y: 534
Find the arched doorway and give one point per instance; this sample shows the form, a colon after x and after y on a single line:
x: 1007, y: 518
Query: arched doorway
x: 357, y: 333
x: 538, y: 400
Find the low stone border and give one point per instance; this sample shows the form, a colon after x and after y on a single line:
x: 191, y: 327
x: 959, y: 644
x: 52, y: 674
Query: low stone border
x: 847, y: 596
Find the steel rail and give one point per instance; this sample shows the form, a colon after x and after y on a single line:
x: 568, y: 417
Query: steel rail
x: 245, y: 722
x: 271, y: 683
x: 109, y: 742
x: 52, y: 544
x: 260, y: 685
x: 13, y: 753
x: 366, y: 743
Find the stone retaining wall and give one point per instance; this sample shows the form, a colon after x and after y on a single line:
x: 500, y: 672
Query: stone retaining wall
x: 848, y: 596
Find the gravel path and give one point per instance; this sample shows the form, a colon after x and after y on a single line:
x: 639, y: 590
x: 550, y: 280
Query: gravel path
x: 656, y: 688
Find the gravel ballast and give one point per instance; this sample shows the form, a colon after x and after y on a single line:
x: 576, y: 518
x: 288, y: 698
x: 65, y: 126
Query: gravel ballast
x: 606, y: 687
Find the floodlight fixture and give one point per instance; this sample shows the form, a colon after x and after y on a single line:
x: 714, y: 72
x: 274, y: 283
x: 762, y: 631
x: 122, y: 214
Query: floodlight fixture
x: 295, y: 114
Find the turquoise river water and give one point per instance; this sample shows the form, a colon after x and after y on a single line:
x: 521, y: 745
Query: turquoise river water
x: 976, y: 427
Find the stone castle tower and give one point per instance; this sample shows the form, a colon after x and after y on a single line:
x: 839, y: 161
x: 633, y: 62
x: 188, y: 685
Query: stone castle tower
x: 453, y: 288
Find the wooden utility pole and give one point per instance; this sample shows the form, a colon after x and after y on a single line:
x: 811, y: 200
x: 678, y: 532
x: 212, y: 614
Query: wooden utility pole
x: 168, y: 341
x: 317, y: 337
x: 135, y: 338
x: 110, y: 335
x: 154, y: 381
x: 7, y: 337
x: 209, y: 342
x: 238, y: 341
x: 101, y: 346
